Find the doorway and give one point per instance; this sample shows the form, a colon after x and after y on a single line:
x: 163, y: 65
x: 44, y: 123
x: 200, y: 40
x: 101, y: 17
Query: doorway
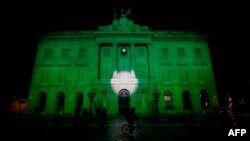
x: 123, y: 101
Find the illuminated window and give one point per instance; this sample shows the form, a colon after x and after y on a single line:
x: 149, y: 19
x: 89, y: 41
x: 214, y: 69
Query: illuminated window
x: 197, y: 52
x: 164, y: 53
x: 82, y: 53
x: 65, y: 53
x: 168, y: 98
x: 181, y: 52
x: 48, y: 53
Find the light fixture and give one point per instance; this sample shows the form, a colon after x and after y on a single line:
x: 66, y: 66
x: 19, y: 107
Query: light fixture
x: 123, y: 51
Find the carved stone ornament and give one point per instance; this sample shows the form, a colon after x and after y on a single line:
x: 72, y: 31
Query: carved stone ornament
x: 123, y: 25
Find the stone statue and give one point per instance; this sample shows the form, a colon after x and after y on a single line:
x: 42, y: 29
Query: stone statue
x: 123, y: 14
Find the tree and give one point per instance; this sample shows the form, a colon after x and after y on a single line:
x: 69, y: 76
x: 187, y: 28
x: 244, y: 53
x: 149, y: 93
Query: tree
x: 156, y: 96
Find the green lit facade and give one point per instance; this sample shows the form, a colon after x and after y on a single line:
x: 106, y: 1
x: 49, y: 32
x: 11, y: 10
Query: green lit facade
x: 123, y: 65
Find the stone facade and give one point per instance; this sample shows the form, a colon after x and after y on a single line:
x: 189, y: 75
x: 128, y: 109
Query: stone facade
x: 122, y: 65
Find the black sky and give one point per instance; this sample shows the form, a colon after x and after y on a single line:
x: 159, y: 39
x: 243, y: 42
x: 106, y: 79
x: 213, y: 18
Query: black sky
x: 226, y: 24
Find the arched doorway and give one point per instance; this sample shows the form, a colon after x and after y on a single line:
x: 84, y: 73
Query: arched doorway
x: 187, y: 103
x: 42, y: 100
x: 205, y: 103
x: 123, y: 101
x: 78, y: 100
x: 60, y: 101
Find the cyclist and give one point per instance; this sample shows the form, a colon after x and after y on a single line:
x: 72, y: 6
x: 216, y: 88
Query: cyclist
x: 131, y: 118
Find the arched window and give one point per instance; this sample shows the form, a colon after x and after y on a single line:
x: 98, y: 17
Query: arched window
x: 205, y: 103
x: 78, y: 99
x: 60, y: 101
x: 168, y: 98
x: 42, y: 99
x: 187, y: 104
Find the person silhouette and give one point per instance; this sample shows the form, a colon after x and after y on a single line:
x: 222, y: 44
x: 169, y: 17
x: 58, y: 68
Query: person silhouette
x: 131, y: 118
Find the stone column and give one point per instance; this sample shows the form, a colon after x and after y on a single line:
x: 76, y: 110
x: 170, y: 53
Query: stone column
x: 132, y: 56
x: 115, y: 57
x: 98, y: 61
x: 150, y: 60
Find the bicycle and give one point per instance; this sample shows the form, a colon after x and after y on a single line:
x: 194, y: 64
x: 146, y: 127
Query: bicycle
x: 136, y: 129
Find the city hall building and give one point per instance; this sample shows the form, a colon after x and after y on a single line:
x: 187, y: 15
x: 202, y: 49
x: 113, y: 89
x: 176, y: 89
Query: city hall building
x: 120, y: 66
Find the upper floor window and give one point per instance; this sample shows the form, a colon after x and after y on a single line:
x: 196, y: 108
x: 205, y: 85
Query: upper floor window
x: 82, y: 53
x: 106, y: 52
x: 164, y: 52
x: 181, y: 52
x: 65, y: 53
x: 197, y: 52
x: 48, y: 53
x: 140, y: 52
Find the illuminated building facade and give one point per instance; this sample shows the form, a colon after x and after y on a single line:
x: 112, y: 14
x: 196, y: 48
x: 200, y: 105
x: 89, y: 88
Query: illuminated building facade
x: 122, y: 65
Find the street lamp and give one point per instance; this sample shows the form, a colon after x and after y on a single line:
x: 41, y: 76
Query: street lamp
x: 91, y: 96
x: 21, y: 101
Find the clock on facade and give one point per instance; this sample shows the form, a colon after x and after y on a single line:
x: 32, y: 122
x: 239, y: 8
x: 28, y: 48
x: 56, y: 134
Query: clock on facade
x: 124, y: 51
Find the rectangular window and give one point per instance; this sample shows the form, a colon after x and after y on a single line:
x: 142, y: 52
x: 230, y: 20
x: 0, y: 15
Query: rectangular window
x: 197, y: 52
x: 181, y: 52
x: 82, y: 53
x: 65, y: 53
x: 164, y: 53
x: 48, y: 53
x: 140, y: 52
x: 106, y: 52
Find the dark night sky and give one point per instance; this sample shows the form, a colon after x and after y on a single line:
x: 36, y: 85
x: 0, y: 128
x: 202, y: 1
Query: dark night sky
x: 225, y: 23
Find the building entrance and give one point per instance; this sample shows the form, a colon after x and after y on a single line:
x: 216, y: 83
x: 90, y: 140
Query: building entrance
x: 123, y: 101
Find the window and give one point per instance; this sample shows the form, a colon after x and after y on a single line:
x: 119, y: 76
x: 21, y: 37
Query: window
x: 60, y: 102
x: 106, y: 52
x: 48, y: 53
x: 197, y: 52
x: 82, y: 53
x: 164, y: 53
x: 65, y: 53
x: 168, y: 98
x: 140, y: 52
x: 79, y: 100
x: 181, y: 52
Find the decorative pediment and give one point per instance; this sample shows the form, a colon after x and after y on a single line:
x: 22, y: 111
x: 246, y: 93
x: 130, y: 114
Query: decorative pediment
x: 123, y: 25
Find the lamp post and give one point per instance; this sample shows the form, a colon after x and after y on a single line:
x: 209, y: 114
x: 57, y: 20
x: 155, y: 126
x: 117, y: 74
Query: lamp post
x: 91, y: 96
x: 156, y: 96
x: 21, y: 101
